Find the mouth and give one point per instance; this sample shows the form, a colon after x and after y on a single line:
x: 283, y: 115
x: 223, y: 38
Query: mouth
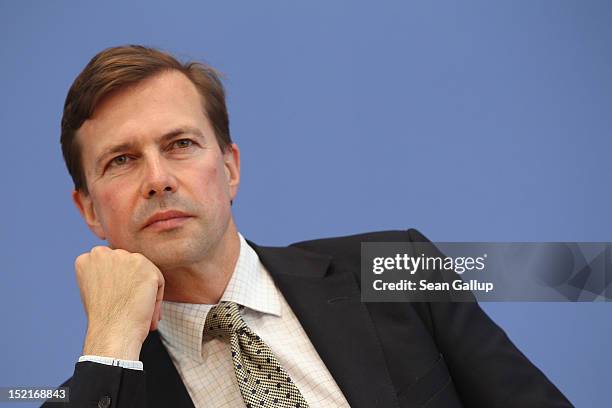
x: 166, y: 220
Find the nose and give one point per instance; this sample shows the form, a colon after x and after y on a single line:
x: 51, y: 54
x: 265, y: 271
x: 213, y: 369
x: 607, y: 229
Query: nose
x: 158, y: 179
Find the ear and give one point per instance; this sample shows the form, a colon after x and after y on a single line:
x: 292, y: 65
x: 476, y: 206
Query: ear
x: 84, y: 204
x: 231, y: 159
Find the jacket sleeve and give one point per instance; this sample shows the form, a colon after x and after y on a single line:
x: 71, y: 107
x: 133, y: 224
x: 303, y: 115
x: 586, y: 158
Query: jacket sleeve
x: 104, y: 386
x: 486, y: 367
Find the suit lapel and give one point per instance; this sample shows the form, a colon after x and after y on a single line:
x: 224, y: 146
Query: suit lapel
x: 328, y: 304
x: 164, y: 385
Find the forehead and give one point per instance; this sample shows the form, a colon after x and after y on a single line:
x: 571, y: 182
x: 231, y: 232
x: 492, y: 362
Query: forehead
x: 141, y: 112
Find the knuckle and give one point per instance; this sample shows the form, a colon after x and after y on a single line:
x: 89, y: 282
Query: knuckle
x: 120, y: 251
x: 138, y: 259
x: 80, y: 260
x: 98, y: 249
x: 137, y: 255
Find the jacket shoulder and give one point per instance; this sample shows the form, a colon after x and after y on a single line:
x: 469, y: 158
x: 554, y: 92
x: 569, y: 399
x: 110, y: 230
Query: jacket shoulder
x: 345, y: 252
x: 350, y: 245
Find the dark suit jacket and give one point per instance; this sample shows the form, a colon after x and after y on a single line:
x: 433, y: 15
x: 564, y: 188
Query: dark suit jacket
x: 380, y: 354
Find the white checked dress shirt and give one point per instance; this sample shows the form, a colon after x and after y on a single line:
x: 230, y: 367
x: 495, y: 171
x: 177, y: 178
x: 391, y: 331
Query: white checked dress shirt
x: 206, y: 367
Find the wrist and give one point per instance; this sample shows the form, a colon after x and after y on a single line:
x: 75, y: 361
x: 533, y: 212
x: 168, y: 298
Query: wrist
x: 107, y: 344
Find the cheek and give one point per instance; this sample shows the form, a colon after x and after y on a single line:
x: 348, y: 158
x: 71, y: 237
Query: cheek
x: 213, y: 183
x: 112, y: 210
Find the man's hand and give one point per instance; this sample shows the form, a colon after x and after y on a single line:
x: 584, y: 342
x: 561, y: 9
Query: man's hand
x: 122, y: 294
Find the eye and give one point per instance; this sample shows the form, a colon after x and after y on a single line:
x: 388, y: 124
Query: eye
x: 183, y: 143
x: 119, y: 160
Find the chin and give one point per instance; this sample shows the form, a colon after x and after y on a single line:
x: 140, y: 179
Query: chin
x: 170, y: 254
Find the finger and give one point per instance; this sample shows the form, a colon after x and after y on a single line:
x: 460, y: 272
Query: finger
x: 157, y: 312
x: 156, y: 316
x: 160, y: 294
x: 154, y: 319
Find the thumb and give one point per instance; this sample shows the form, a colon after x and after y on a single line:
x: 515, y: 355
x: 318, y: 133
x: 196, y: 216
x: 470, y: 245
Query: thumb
x: 157, y: 313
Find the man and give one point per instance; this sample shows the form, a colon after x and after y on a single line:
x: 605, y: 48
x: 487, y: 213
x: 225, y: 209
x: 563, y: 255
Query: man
x: 218, y: 321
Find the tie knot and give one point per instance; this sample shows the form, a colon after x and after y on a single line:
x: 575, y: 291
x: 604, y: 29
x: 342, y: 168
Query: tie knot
x: 223, y: 320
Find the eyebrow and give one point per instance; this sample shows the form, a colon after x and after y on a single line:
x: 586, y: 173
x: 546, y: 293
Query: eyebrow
x: 122, y: 147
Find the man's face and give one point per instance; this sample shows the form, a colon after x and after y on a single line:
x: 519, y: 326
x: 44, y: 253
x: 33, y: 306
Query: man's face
x: 150, y: 149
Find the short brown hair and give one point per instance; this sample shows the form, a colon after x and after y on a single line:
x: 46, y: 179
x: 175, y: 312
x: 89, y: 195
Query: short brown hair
x: 117, y: 67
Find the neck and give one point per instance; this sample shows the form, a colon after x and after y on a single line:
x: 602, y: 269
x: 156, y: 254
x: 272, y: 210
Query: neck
x: 205, y: 282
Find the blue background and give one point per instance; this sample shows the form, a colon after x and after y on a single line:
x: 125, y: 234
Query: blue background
x: 471, y: 121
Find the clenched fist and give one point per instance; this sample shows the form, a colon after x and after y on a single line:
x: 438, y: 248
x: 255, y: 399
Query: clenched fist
x: 122, y: 294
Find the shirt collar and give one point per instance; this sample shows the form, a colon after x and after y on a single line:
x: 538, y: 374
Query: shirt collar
x: 182, y: 325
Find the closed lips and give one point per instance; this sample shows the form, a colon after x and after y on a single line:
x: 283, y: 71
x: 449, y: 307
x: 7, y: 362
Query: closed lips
x: 166, y: 215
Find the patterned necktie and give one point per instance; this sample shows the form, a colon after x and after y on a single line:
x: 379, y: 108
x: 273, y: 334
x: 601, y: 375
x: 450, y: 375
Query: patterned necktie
x: 262, y: 380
